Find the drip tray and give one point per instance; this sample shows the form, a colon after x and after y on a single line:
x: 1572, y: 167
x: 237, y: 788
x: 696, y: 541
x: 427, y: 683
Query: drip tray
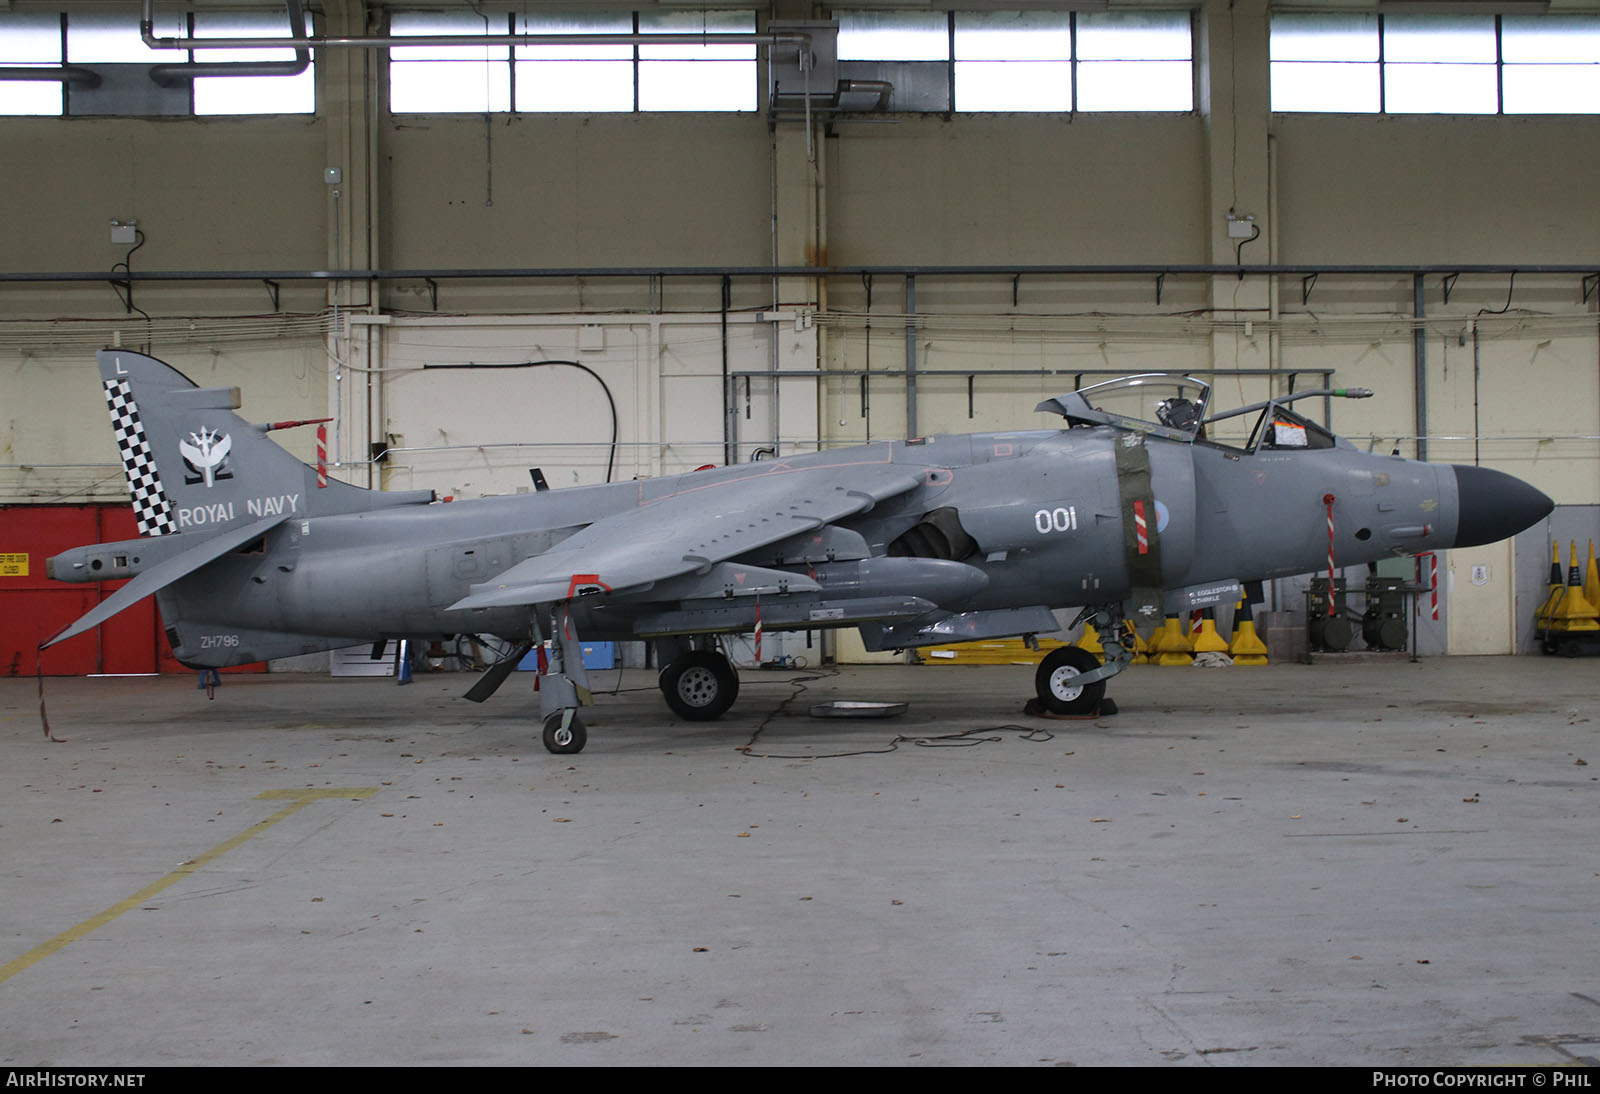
x: 850, y: 708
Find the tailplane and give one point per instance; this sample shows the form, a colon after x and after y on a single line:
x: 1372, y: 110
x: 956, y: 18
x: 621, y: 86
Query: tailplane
x: 194, y: 466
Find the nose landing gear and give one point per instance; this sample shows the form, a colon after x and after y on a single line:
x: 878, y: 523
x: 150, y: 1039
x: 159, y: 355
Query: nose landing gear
x: 1071, y: 681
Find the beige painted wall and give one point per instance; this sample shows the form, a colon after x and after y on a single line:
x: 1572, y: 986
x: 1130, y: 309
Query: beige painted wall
x: 995, y: 189
x: 576, y: 190
x: 471, y: 432
x: 213, y: 194
x: 1425, y: 189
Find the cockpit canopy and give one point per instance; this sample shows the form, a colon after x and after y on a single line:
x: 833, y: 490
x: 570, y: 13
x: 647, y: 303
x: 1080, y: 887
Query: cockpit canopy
x: 1154, y: 402
x: 1175, y: 407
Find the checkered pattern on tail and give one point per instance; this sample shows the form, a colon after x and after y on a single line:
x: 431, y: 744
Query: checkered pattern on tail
x: 151, y: 506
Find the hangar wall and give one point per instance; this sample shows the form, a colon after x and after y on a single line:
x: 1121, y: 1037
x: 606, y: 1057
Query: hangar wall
x: 472, y: 402
x: 1511, y: 376
x: 576, y: 190
x: 1436, y: 188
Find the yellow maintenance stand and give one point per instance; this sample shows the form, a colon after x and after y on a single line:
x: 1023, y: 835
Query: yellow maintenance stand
x: 1591, y: 580
x: 1171, y: 646
x: 1206, y: 639
x: 1572, y: 623
x: 1246, y: 647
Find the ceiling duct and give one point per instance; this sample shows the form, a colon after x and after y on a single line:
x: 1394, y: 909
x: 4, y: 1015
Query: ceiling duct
x: 76, y: 75
x: 386, y: 41
x: 805, y: 78
x: 177, y: 75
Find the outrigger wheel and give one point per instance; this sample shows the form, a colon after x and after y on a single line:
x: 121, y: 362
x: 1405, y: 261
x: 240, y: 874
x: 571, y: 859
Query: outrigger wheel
x: 1055, y: 682
x: 700, y: 686
x: 564, y: 742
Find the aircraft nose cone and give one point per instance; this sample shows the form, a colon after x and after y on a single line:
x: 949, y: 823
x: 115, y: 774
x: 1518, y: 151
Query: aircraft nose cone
x: 1493, y: 505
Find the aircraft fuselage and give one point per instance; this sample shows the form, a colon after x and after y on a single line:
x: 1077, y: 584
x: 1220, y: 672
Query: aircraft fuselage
x: 1042, y: 510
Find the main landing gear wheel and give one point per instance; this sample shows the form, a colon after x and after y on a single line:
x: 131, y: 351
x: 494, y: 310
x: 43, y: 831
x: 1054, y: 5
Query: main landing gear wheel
x: 1056, y: 685
x: 564, y: 742
x: 700, y: 686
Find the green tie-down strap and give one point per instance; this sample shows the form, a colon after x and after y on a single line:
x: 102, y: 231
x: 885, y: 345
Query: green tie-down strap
x: 1141, y: 544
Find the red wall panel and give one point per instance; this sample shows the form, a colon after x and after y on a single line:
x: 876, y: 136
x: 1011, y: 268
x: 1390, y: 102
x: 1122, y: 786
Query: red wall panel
x: 32, y: 607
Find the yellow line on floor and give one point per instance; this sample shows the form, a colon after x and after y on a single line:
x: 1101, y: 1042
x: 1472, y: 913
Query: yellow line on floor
x: 298, y: 799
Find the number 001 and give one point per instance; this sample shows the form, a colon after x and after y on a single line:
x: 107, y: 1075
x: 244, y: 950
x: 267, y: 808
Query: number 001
x: 1059, y: 519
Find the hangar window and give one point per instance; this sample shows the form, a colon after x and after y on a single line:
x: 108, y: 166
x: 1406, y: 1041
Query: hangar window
x: 1550, y: 64
x: 1130, y: 60
x: 1014, y: 60
x: 1325, y: 63
x: 694, y: 77
x: 1439, y: 64
x: 1435, y: 64
x: 1022, y: 61
x: 95, y: 63
x: 448, y: 79
x: 583, y: 77
x: 908, y: 50
x: 589, y: 78
x: 32, y: 41
x: 296, y: 94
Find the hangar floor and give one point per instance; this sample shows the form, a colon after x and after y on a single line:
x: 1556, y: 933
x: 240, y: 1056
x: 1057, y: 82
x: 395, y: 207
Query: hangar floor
x: 1389, y: 864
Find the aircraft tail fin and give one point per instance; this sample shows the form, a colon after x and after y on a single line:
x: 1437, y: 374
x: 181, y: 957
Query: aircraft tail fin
x: 193, y: 465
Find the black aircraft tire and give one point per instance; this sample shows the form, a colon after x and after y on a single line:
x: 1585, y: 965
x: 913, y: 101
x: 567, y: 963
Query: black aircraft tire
x: 1054, y: 682
x: 700, y: 686
x: 568, y: 743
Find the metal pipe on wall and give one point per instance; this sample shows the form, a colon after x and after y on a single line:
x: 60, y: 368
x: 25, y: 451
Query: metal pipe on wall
x: 385, y: 41
x: 911, y: 357
x: 1419, y: 358
x: 174, y: 75
x: 514, y: 272
x: 76, y: 75
x: 730, y: 424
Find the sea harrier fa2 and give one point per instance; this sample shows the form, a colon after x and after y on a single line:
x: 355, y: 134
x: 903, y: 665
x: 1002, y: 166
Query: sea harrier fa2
x: 1128, y: 513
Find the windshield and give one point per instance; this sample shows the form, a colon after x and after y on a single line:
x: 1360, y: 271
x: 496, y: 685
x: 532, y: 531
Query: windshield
x: 1158, y: 403
x: 1281, y: 428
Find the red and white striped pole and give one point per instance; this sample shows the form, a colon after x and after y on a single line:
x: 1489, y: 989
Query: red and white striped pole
x: 1433, y: 584
x: 322, y: 457
x: 1432, y: 581
x: 1327, y: 499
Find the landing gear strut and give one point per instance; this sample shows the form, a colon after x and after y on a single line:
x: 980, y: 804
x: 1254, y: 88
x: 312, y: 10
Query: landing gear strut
x: 700, y: 685
x: 563, y: 685
x: 1071, y: 681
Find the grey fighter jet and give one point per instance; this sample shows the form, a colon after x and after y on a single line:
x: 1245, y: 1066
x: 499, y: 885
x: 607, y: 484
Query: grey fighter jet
x: 1133, y: 511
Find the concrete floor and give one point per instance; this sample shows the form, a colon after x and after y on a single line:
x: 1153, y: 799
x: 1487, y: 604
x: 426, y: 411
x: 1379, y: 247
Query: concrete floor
x: 1390, y: 864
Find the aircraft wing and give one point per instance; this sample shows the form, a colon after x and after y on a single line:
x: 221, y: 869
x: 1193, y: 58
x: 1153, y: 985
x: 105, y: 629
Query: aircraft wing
x: 693, y: 530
